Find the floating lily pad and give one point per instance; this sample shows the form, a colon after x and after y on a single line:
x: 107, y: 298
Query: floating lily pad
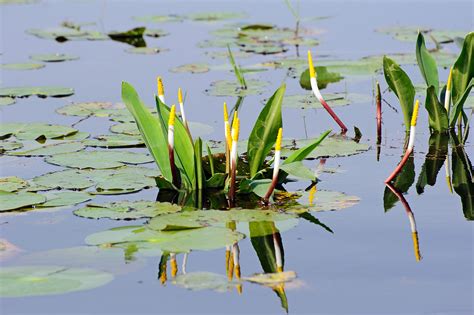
x: 17, y: 1
x: 68, y: 179
x: 9, y: 145
x: 264, y: 49
x: 145, y: 50
x: 65, y: 198
x: 12, y: 183
x: 12, y: 201
x: 98, y: 159
x: 50, y: 149
x: 197, y: 281
x: 63, y: 34
x: 270, y: 279
x: 34, y: 131
x: 155, y: 32
x: 98, y: 109
x: 233, y: 88
x: 158, y: 18
x: 192, y: 68
x: 331, y: 147
x: 409, y: 34
x: 53, y: 57
x: 224, y: 54
x: 201, y: 218
x: 197, y: 129
x: 21, y: 66
x: 114, y: 141
x: 208, y: 238
x: 322, y: 200
x: 41, y: 91
x: 49, y: 280
x: 216, y: 16
x: 6, y: 101
x: 304, y: 101
x: 126, y: 210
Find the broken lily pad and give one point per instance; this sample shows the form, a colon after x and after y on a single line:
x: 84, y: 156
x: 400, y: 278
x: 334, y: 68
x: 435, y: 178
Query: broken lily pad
x: 12, y: 183
x: 334, y: 146
x: 21, y: 66
x: 35, y: 131
x: 98, y: 159
x: 233, y: 88
x: 126, y: 210
x: 192, y: 68
x: 49, y: 280
x: 59, y: 57
x: 13, y: 201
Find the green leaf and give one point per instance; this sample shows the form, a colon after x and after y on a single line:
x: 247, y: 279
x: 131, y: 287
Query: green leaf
x: 302, y: 153
x: 463, y: 182
x: 264, y: 133
x: 198, y: 160
x: 257, y: 186
x: 12, y: 201
x: 427, y: 64
x: 12, y: 183
x: 216, y: 181
x: 323, y: 75
x: 299, y: 170
x: 463, y: 69
x: 238, y: 73
x: 155, y: 139
x: 437, y: 115
x: 401, y: 85
x: 458, y: 106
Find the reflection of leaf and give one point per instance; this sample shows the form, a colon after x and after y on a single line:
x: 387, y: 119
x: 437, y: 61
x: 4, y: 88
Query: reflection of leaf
x: 132, y: 37
x: 438, y: 117
x: 434, y: 160
x: 462, y: 179
x: 264, y: 245
x: 402, y: 183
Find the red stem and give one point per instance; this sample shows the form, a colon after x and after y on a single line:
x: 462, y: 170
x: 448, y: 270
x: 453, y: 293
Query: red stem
x: 174, y: 172
x: 270, y: 189
x: 334, y: 116
x: 232, y: 184
x: 400, y: 166
x: 378, y: 100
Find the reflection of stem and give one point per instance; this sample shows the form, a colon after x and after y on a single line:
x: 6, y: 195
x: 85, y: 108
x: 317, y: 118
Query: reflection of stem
x: 174, y: 265
x: 278, y: 256
x: 447, y: 167
x: 411, y: 217
x: 185, y: 262
x: 378, y: 101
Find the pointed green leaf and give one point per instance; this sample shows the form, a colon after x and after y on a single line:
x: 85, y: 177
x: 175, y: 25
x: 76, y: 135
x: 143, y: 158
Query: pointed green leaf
x: 463, y: 69
x: 437, y: 115
x: 427, y: 64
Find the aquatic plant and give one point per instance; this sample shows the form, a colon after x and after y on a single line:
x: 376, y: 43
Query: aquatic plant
x: 183, y: 167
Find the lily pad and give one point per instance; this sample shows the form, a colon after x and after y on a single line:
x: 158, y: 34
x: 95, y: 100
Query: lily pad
x: 114, y: 141
x: 304, y: 101
x: 270, y: 279
x: 322, y: 200
x: 17, y: 1
x: 158, y: 18
x: 208, y: 238
x: 155, y: 32
x: 6, y: 101
x: 198, y: 281
x: 62, y: 34
x: 58, y: 57
x: 49, y: 280
x: 192, y: 68
x: 126, y: 210
x: 334, y: 146
x: 201, y: 218
x: 12, y: 201
x: 197, y: 129
x: 65, y: 198
x: 41, y: 91
x: 409, y: 34
x: 145, y: 50
x: 215, y: 16
x: 233, y: 88
x: 50, y: 149
x: 68, y: 179
x: 34, y: 131
x: 98, y: 159
x: 21, y: 66
x: 12, y: 183
x: 9, y: 145
x: 98, y: 109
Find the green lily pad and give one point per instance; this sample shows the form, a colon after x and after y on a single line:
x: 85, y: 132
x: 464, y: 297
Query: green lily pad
x: 158, y: 18
x: 7, y: 101
x: 41, y: 91
x: 34, y: 131
x: 50, y: 149
x: 201, y: 218
x: 224, y: 54
x: 21, y: 66
x: 17, y: 1
x: 323, y: 200
x: 114, y: 141
x: 334, y: 146
x: 65, y: 198
x: 67, y: 179
x: 207, y: 238
x: 270, y: 279
x: 98, y: 159
x: 409, y: 34
x: 49, y: 280
x: 58, y: 57
x: 192, y: 68
x: 12, y: 183
x: 126, y: 210
x: 145, y: 50
x: 233, y: 88
x: 215, y: 16
x: 304, y: 101
x: 197, y: 129
x: 198, y: 281
x: 9, y: 145
x: 62, y: 34
x: 264, y: 49
x: 98, y: 109
x: 12, y: 201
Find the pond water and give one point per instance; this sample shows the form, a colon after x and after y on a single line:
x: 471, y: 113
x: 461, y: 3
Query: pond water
x: 367, y: 265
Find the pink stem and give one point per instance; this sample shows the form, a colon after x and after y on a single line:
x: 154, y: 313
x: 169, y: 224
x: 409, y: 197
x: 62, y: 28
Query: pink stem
x: 334, y: 116
x: 400, y: 166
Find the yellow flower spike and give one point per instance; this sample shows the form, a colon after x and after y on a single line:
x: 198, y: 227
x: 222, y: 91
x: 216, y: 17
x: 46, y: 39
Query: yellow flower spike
x: 312, y: 73
x: 163, y: 276
x: 278, y: 140
x: 279, y: 269
x: 312, y: 192
x: 416, y: 246
x: 448, y: 87
x: 237, y: 271
x: 235, y: 130
x: 226, y: 114
x: 180, y: 96
x: 161, y: 90
x: 172, y: 117
x: 414, y: 116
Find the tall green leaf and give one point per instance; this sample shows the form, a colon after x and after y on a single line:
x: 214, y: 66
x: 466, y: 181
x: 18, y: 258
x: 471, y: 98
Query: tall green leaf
x: 427, y: 64
x: 463, y: 69
x: 458, y: 106
x: 149, y: 126
x: 237, y: 71
x: 183, y: 146
x: 198, y: 161
x: 401, y: 85
x: 264, y: 133
x: 302, y: 153
x: 437, y: 115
